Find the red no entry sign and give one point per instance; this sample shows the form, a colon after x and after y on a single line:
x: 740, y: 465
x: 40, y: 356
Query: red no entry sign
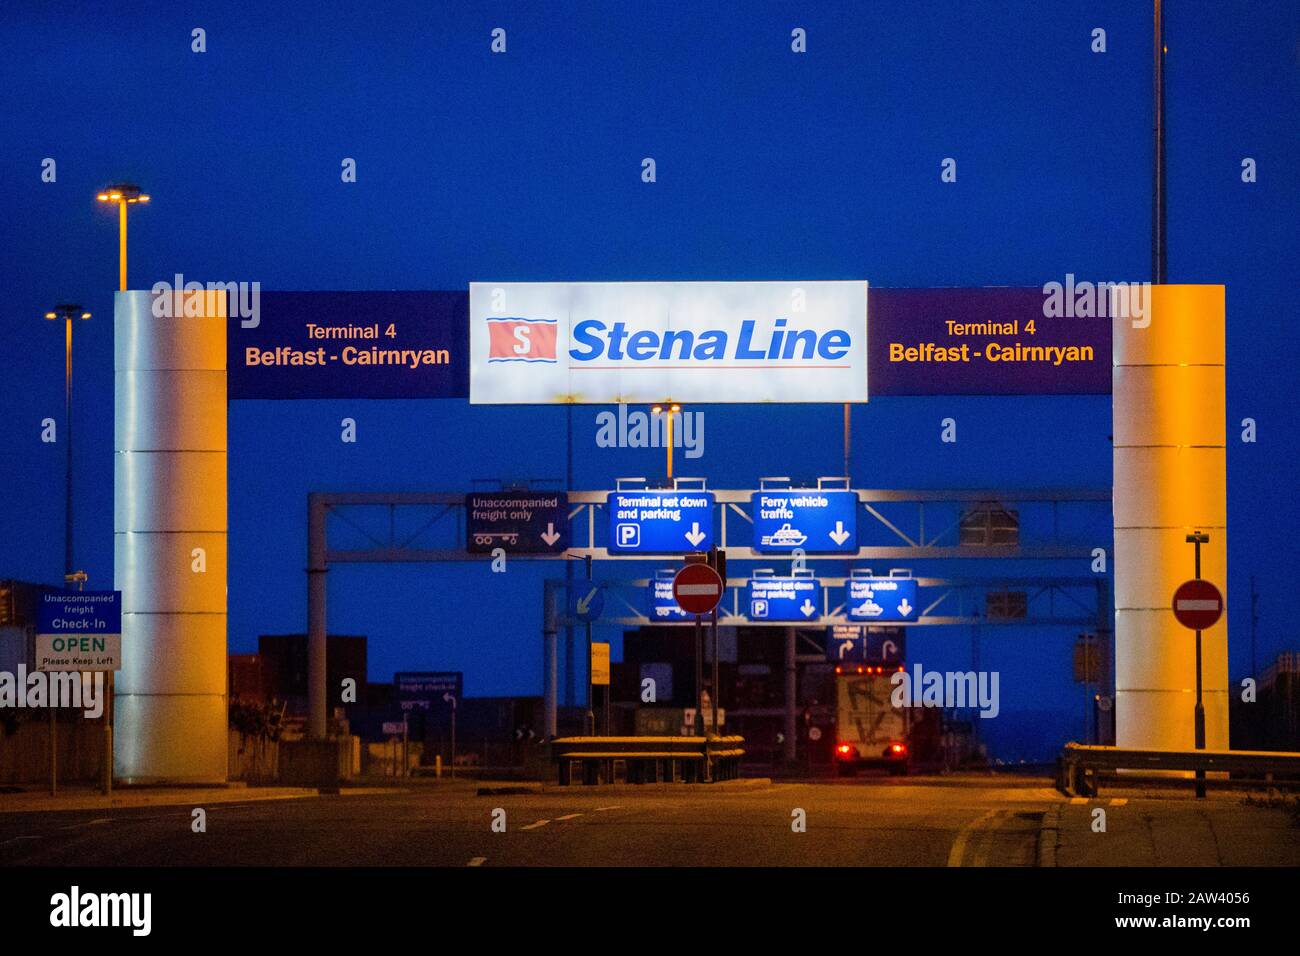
x: 1197, y: 604
x: 697, y: 589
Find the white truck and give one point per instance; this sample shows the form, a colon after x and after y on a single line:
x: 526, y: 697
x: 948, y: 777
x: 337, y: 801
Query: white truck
x: 869, y: 730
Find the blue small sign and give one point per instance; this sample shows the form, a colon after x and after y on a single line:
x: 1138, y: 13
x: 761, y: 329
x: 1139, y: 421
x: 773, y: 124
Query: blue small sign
x: 886, y: 646
x: 784, y: 599
x: 880, y: 599
x: 846, y: 643
x: 428, y: 690
x: 859, y: 644
x: 79, y: 612
x: 586, y: 601
x: 660, y: 521
x: 521, y: 522
x: 817, y: 522
x: 661, y: 606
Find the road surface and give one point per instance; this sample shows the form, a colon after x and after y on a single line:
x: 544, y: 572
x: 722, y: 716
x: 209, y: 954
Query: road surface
x: 874, y: 822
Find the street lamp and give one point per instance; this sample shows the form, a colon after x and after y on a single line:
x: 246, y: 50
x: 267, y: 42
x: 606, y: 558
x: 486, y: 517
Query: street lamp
x: 124, y: 194
x: 669, y: 410
x: 67, y: 312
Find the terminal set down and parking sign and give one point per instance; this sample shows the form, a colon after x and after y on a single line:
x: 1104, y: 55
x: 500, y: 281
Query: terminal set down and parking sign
x: 660, y: 521
x: 784, y: 599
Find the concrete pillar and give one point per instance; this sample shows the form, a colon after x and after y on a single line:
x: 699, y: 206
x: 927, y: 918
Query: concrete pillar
x: 169, y: 499
x: 1169, y: 479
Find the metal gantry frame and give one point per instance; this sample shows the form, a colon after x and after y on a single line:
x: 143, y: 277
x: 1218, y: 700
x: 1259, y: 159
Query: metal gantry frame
x: 443, y: 514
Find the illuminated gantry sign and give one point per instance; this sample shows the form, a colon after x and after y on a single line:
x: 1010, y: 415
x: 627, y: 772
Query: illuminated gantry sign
x: 859, y: 644
x: 607, y: 342
x: 646, y: 342
x: 660, y: 521
x: 809, y: 520
x: 661, y: 606
x: 520, y: 522
x: 868, y: 598
x: 772, y: 598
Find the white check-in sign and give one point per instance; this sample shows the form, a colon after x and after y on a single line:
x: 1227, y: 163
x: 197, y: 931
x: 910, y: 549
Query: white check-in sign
x: 643, y: 342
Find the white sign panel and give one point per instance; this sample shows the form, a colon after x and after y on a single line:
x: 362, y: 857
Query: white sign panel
x: 78, y: 652
x: 543, y: 343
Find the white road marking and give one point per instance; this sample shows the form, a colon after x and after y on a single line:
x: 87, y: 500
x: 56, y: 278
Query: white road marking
x: 963, y: 837
x: 569, y: 816
x: 985, y: 844
x: 19, y: 838
x: 88, y: 823
x: 476, y: 861
x: 534, y: 826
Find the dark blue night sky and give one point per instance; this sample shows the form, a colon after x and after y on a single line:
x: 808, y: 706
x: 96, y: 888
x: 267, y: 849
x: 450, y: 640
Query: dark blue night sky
x: 526, y: 166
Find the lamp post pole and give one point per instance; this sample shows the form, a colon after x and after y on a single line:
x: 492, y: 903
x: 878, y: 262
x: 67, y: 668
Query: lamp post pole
x: 67, y: 312
x: 668, y: 409
x: 124, y: 194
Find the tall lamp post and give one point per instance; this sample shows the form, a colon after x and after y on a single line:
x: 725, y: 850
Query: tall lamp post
x: 668, y: 410
x: 67, y: 312
x: 124, y: 194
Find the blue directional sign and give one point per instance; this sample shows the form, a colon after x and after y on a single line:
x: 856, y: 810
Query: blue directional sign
x: 846, y: 643
x: 784, y: 599
x: 886, y: 645
x: 521, y: 522
x: 661, y: 606
x: 586, y: 601
x: 816, y: 521
x: 428, y: 690
x: 880, y: 599
x: 660, y: 521
x: 860, y: 644
x: 87, y: 613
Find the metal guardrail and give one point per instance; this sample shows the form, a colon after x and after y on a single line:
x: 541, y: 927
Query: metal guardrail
x: 648, y: 759
x: 1079, y: 764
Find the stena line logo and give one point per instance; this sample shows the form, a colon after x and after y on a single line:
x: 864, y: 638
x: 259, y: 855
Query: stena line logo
x: 595, y: 340
x: 521, y: 340
x: 649, y: 342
